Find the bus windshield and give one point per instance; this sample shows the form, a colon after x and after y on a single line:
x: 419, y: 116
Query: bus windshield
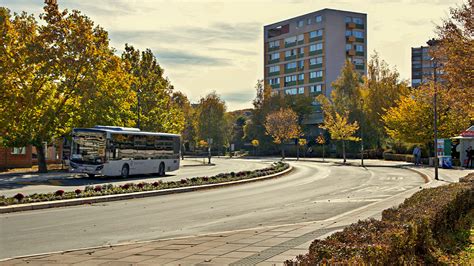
x: 88, y: 147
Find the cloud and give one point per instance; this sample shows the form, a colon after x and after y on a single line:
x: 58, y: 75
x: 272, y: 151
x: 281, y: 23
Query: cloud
x: 239, y: 97
x: 217, y: 32
x: 177, y: 57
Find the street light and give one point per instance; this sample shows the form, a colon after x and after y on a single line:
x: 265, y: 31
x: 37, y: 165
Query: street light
x: 361, y: 134
x: 433, y: 60
x: 138, y: 107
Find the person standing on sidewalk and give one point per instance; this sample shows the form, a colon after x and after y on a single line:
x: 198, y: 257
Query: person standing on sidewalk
x: 417, y: 155
x: 469, y: 155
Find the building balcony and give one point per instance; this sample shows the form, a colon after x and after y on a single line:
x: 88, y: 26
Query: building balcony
x: 290, y: 57
x: 351, y: 52
x: 315, y: 66
x: 273, y: 48
x: 316, y: 52
x: 360, y: 26
x: 275, y: 86
x: 291, y: 83
x: 276, y: 73
x: 350, y: 25
x: 359, y: 67
x: 315, y: 39
x: 290, y: 70
x: 300, y: 42
x: 301, y: 55
x: 313, y: 80
x: 291, y: 44
x: 274, y: 61
x: 350, y: 39
x: 359, y: 39
x: 300, y: 82
x: 360, y: 53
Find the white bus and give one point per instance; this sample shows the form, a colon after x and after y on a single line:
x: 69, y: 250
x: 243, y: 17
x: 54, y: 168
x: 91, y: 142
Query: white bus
x: 120, y: 151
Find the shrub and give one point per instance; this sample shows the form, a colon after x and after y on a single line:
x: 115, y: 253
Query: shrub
x: 184, y: 181
x: 417, y: 232
x: 98, y: 188
x: 78, y: 191
x: 205, y: 179
x: 59, y: 193
x: 156, y: 183
x: 141, y: 185
x: 19, y: 197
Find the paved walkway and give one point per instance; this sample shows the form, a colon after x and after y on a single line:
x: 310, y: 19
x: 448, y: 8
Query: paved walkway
x: 258, y: 246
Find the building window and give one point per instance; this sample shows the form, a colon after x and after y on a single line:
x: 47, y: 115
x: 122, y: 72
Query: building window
x: 274, y: 69
x: 319, y: 73
x: 359, y: 48
x: 318, y: 19
x: 290, y: 40
x: 291, y: 65
x: 358, y: 34
x: 301, y: 76
x: 290, y: 91
x: 300, y: 37
x: 300, y: 23
x: 348, y: 47
x: 274, y: 81
x: 316, y: 74
x: 348, y: 33
x: 301, y: 50
x: 18, y: 150
x: 319, y: 46
x: 290, y: 78
x: 274, y: 56
x: 316, y: 88
x: 301, y: 90
x: 357, y: 21
x: 308, y: 21
x: 347, y: 19
x: 274, y: 44
x: 312, y: 75
x: 317, y: 60
x: 290, y: 52
x: 316, y: 33
x: 301, y: 64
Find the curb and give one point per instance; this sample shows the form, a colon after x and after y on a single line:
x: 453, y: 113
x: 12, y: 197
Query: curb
x: 132, y: 195
x: 197, y: 165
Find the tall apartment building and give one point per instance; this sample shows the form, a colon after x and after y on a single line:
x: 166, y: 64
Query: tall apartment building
x: 422, y: 65
x: 305, y: 54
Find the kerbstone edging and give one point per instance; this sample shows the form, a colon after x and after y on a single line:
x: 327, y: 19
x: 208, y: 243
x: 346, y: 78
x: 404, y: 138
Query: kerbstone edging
x: 132, y: 195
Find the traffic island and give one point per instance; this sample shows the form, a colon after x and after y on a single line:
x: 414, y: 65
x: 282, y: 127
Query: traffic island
x: 109, y: 192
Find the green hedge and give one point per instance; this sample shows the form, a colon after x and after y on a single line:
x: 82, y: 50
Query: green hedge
x: 426, y: 229
x: 109, y: 189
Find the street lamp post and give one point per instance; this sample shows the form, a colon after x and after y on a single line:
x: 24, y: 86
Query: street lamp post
x: 138, y: 107
x: 361, y: 133
x: 435, y: 122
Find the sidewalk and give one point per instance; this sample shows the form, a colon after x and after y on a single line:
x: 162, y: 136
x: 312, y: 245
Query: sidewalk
x: 258, y: 246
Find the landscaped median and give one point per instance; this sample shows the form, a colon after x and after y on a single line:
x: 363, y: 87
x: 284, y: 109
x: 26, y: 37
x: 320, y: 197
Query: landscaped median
x: 109, y: 192
x: 431, y: 227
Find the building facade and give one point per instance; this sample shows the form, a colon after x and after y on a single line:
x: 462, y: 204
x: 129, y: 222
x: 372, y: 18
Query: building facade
x: 305, y: 54
x: 423, y: 65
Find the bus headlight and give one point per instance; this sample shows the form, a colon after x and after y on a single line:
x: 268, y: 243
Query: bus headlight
x: 100, y: 167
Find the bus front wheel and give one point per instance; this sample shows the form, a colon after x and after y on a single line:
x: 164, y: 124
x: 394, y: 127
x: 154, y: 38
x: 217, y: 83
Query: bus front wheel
x: 125, y: 171
x: 161, y: 169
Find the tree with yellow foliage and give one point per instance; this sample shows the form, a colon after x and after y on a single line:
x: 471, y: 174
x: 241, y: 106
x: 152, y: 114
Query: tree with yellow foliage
x: 283, y: 126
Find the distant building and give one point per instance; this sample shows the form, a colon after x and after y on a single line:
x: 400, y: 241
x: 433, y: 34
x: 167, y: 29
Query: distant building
x: 305, y: 54
x: 422, y: 65
x: 18, y: 157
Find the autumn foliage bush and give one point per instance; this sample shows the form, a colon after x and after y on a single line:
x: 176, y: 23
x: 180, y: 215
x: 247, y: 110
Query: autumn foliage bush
x: 419, y: 231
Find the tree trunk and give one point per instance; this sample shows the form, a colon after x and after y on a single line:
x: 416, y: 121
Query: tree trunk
x: 344, y: 151
x: 42, y: 167
x: 323, y: 152
x: 282, y: 152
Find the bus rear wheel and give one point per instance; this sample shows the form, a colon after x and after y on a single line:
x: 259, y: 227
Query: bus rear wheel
x: 91, y: 175
x: 161, y: 169
x: 125, y: 171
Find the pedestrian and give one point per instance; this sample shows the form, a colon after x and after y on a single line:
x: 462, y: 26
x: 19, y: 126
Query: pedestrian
x: 469, y: 155
x: 417, y: 155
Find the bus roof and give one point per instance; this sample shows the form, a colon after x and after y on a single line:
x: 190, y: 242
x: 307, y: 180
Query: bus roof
x: 122, y: 130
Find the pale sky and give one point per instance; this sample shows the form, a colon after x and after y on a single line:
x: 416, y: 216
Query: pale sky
x: 217, y: 46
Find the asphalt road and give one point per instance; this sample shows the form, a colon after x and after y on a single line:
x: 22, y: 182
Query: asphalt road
x: 36, y: 183
x: 312, y: 192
